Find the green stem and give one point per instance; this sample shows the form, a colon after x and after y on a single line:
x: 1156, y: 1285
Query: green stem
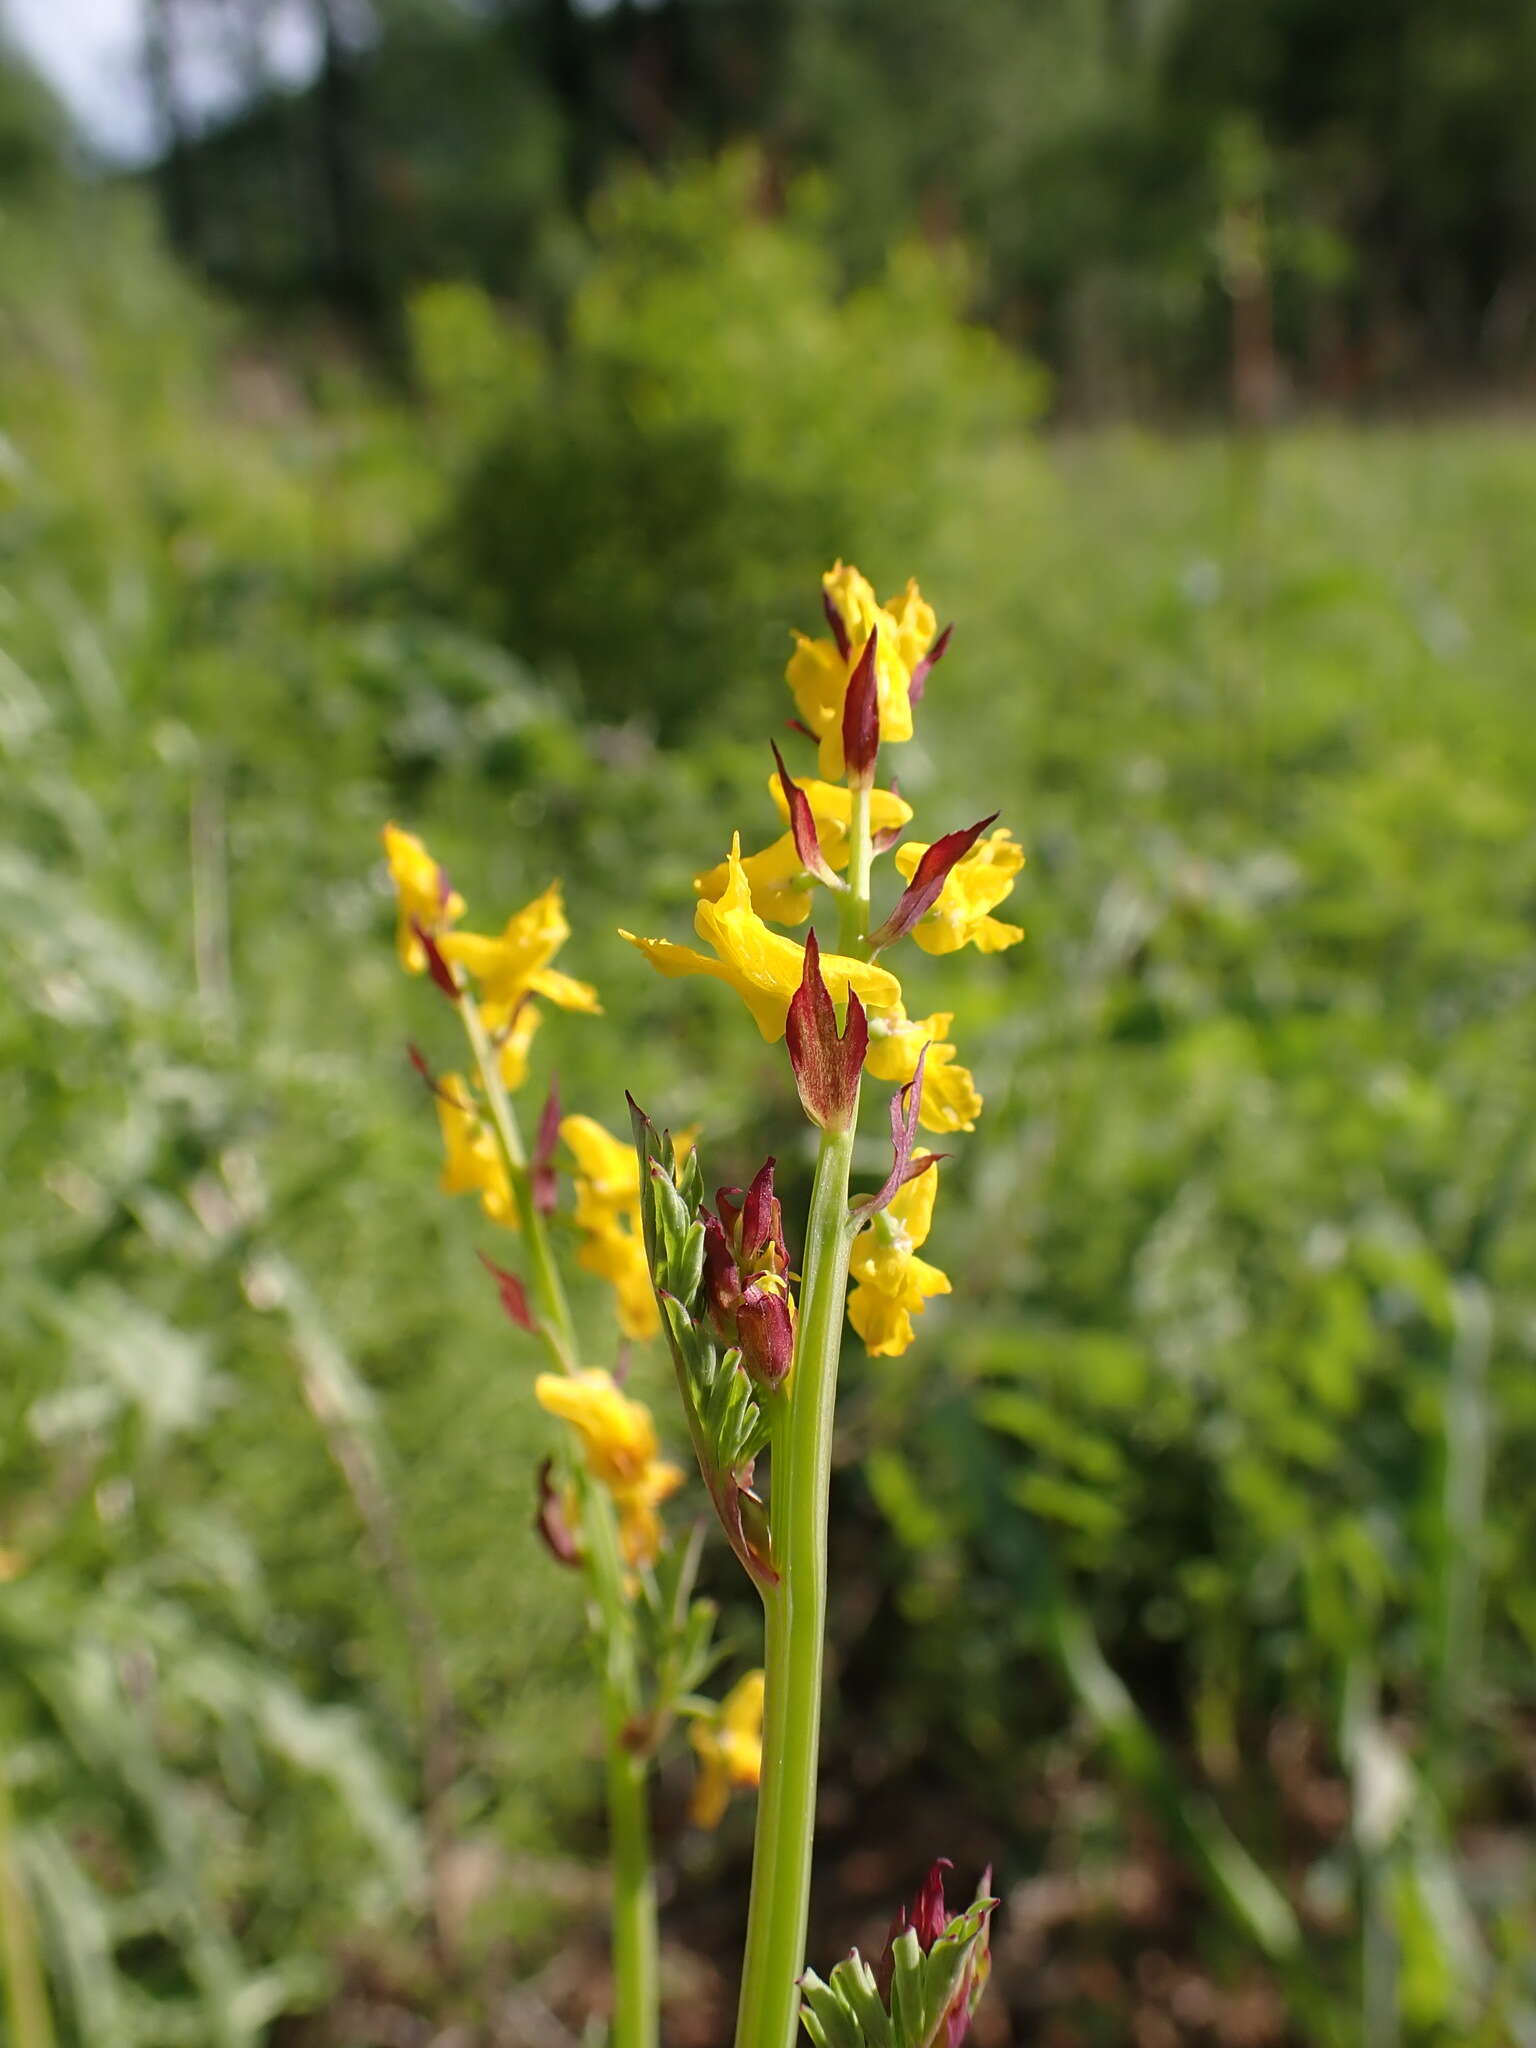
x: 853, y: 908
x: 796, y: 1609
x: 635, y: 1942
x: 796, y: 1622
x: 30, y: 2024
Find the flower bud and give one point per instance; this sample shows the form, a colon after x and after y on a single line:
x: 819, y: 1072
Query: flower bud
x: 765, y: 1331
x: 826, y: 1066
x: 861, y: 716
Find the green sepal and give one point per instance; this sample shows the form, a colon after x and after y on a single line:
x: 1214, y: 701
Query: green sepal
x: 724, y: 1414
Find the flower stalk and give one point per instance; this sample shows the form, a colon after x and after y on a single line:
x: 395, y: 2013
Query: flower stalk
x: 634, y: 1926
x: 796, y: 1610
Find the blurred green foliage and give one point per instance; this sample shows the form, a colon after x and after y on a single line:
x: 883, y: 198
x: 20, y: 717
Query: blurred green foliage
x: 721, y: 417
x: 1084, y: 149
x: 1202, y: 1498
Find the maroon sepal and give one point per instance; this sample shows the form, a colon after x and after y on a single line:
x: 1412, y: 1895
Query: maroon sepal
x: 927, y: 665
x: 722, y: 1276
x: 927, y: 882
x: 904, y: 1167
x: 542, y: 1167
x: 826, y: 1067
x: 514, y: 1296
x: 558, y: 1536
x: 928, y: 1918
x: 418, y: 1060
x: 802, y: 825
x: 762, y: 1220
x: 437, y: 966
x: 766, y: 1335
x: 861, y: 716
x: 882, y: 842
x: 799, y: 725
x: 835, y: 621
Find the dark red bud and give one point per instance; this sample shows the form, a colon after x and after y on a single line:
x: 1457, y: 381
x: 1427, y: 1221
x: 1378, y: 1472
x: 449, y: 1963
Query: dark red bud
x: 722, y: 1276
x: 927, y: 882
x: 826, y: 1067
x: 542, y: 1168
x: 514, y: 1296
x: 766, y: 1334
x: 558, y: 1536
x: 760, y: 1218
x: 835, y: 621
x: 927, y: 665
x: 441, y: 973
x: 802, y: 825
x: 861, y: 716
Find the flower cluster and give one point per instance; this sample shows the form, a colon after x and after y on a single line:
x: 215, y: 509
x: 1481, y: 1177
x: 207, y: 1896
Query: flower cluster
x: 498, y: 983
x: 855, y: 691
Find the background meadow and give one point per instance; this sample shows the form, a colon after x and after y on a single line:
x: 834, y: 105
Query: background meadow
x: 465, y: 455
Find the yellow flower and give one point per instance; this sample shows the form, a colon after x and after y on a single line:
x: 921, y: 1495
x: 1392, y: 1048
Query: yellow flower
x: 949, y: 1101
x: 512, y: 1039
x: 472, y: 1163
x: 818, y: 672
x: 516, y: 965
x: 607, y: 1168
x: 973, y: 889
x: 729, y: 1746
x: 832, y: 807
x: 777, y: 879
x: 617, y: 1254
x: 619, y: 1438
x: 423, y: 894
x: 762, y: 967
x: 893, y: 1284
x: 608, y: 1213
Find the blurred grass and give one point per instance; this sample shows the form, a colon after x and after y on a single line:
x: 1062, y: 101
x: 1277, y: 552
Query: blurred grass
x: 1259, y: 1085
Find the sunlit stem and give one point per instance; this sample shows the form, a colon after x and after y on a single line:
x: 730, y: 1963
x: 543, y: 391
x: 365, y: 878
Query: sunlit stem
x: 635, y: 1974
x: 796, y: 1608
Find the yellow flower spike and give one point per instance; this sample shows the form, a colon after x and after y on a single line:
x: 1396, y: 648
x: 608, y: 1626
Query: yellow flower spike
x: 950, y: 1100
x: 818, y: 670
x: 892, y: 1283
x: 764, y: 968
x: 972, y: 891
x: 472, y: 1165
x: 423, y: 894
x: 729, y: 1746
x: 516, y: 964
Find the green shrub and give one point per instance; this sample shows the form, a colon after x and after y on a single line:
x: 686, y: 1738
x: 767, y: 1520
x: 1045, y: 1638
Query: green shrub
x: 722, y: 420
